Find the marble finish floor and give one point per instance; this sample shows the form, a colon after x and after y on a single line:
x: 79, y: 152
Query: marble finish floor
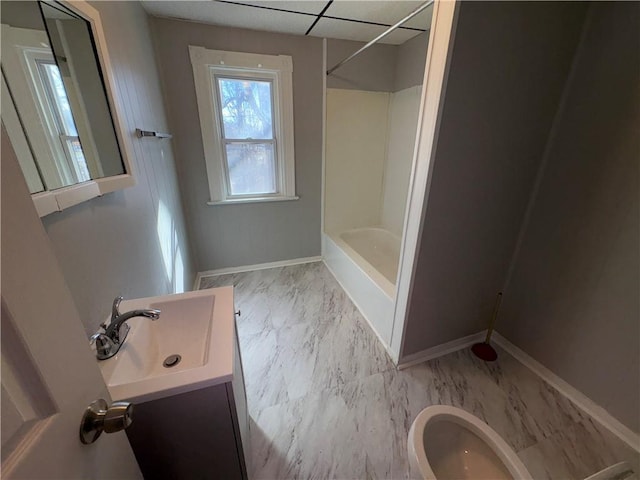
x: 326, y: 401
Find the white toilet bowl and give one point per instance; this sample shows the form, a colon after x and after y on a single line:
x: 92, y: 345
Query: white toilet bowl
x: 448, y: 443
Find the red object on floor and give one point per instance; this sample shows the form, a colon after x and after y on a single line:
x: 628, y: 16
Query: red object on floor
x: 484, y: 351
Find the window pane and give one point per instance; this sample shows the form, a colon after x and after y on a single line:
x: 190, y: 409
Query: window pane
x: 246, y: 108
x: 77, y: 157
x: 60, y: 98
x: 251, y: 168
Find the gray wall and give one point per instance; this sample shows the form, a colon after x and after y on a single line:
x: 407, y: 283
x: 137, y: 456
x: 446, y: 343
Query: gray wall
x: 573, y: 302
x: 131, y: 242
x: 21, y: 14
x: 373, y: 70
x: 509, y: 64
x: 380, y: 68
x: 233, y: 235
x: 410, y: 61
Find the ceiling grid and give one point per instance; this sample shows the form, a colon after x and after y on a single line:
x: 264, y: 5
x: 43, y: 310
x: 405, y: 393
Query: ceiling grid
x: 343, y: 19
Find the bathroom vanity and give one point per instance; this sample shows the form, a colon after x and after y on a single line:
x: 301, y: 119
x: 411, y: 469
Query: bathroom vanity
x: 183, y: 372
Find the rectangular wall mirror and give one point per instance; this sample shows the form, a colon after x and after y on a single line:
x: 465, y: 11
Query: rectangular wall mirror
x: 57, y: 103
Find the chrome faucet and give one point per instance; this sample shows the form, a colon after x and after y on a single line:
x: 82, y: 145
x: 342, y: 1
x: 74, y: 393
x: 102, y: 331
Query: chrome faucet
x: 109, y: 342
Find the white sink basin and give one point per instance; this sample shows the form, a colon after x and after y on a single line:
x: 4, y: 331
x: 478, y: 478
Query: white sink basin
x: 196, y: 326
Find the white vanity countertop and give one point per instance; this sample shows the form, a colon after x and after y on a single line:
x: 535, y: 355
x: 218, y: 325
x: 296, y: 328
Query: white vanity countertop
x: 201, y: 332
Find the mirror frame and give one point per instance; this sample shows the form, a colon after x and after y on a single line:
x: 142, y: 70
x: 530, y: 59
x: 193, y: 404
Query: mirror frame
x: 57, y: 200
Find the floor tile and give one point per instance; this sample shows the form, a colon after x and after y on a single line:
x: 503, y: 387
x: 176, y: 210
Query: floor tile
x: 326, y: 401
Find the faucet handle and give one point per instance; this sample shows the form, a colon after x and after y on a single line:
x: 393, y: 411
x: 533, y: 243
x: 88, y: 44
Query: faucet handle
x: 115, y: 309
x: 94, y: 337
x: 104, y: 345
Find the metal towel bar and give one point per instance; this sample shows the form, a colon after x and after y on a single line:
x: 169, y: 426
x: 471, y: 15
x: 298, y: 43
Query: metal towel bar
x: 146, y: 133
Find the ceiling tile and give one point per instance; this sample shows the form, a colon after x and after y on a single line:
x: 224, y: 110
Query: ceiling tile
x: 229, y: 15
x: 386, y: 12
x: 304, y: 6
x: 362, y: 32
x: 422, y: 20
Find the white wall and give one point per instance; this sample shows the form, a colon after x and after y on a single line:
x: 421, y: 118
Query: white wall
x: 401, y: 135
x: 356, y: 146
x: 370, y: 144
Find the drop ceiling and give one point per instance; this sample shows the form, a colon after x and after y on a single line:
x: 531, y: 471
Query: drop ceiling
x: 360, y: 20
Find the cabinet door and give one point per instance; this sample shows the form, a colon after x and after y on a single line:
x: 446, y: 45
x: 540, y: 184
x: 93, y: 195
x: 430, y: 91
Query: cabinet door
x: 185, y: 436
x: 238, y: 404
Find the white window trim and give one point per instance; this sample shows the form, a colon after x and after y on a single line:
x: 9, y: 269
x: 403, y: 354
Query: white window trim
x: 20, y: 55
x: 278, y: 68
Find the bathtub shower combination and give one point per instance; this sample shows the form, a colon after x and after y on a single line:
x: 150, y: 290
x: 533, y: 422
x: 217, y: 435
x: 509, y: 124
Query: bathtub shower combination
x: 365, y: 263
x: 378, y: 248
x: 369, y: 155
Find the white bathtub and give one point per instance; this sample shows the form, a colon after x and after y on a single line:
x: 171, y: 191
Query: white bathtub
x: 380, y: 249
x: 365, y: 263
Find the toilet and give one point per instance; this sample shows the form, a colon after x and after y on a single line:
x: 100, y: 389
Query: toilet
x: 448, y: 443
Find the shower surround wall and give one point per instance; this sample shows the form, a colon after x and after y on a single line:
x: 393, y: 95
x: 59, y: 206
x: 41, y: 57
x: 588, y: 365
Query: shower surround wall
x: 369, y: 153
x: 402, y: 121
x: 370, y: 138
x: 372, y: 113
x: 355, y: 158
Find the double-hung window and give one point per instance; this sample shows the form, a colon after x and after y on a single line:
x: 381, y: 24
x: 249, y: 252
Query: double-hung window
x: 245, y: 103
x: 58, y: 111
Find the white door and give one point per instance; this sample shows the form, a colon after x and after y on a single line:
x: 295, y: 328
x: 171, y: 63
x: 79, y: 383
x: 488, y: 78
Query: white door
x: 49, y: 375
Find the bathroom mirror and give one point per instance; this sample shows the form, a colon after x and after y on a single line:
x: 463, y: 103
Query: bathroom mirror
x: 57, y: 103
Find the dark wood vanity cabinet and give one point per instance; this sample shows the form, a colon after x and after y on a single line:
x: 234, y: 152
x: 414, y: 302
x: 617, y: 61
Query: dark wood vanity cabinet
x: 202, y: 434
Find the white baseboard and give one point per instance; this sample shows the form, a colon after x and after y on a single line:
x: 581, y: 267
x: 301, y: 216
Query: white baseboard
x: 440, y: 350
x: 250, y: 268
x: 583, y: 402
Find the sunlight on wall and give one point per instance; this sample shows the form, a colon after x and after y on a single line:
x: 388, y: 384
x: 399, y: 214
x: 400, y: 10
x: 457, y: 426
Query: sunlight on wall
x: 170, y: 247
x: 178, y: 272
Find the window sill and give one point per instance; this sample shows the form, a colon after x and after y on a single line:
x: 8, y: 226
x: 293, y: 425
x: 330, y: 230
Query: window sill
x: 253, y: 200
